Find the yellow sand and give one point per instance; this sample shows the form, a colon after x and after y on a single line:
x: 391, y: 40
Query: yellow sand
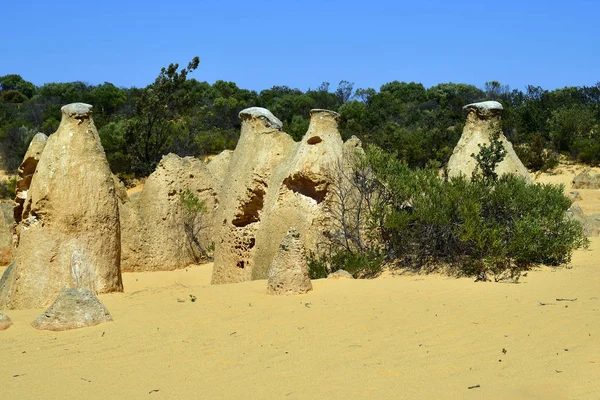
x: 412, y: 337
x: 415, y: 337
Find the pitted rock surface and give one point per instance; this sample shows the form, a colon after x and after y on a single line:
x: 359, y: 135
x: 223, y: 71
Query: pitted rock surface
x: 288, y: 273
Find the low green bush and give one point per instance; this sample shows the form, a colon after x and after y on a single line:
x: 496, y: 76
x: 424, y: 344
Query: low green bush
x: 8, y: 188
x: 360, y: 265
x: 534, y: 154
x: 499, y: 226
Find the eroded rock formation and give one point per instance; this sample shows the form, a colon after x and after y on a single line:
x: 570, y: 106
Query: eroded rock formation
x: 68, y: 233
x: 340, y: 274
x: 288, y: 273
x: 590, y: 223
x: 272, y: 184
x: 586, y: 180
x: 6, y: 228
x: 153, y: 223
x: 73, y: 308
x: 482, y: 120
x: 5, y: 322
x: 26, y: 171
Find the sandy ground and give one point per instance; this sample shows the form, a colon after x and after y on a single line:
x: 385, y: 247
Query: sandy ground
x: 563, y: 175
x: 414, y: 337
x: 411, y: 336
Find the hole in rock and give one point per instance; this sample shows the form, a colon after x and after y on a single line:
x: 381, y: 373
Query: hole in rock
x: 240, y: 264
x: 307, y: 187
x: 314, y: 140
x: 250, y: 211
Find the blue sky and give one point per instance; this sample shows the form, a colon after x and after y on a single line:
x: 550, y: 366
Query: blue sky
x: 258, y: 44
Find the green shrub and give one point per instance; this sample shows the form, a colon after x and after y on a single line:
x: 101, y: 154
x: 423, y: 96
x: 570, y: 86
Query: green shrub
x: 8, y: 188
x: 360, y: 265
x: 489, y: 157
x: 195, y: 226
x: 587, y: 150
x: 535, y: 156
x: 501, y: 227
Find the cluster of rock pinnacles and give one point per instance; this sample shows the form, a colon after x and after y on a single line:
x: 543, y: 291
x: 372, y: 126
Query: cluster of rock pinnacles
x: 76, y: 228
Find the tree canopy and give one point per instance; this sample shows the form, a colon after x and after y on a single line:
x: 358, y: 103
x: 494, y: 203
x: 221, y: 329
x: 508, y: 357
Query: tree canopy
x: 420, y: 125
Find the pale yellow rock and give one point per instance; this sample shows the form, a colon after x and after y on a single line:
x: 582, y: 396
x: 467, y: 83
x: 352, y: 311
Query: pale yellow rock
x: 273, y: 184
x: 586, y: 180
x: 288, y: 273
x: 69, y: 233
x: 72, y: 309
x: 340, y: 274
x: 261, y: 150
x: 482, y: 119
x: 219, y: 166
x: 153, y: 232
x: 5, y: 322
x: 26, y: 171
x: 6, y: 229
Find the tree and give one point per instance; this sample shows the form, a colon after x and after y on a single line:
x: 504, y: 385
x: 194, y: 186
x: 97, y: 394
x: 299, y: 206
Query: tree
x: 569, y: 123
x: 344, y: 91
x: 107, y: 98
x: 153, y: 126
x: 15, y: 82
x: 194, y: 225
x: 488, y: 158
x: 496, y: 91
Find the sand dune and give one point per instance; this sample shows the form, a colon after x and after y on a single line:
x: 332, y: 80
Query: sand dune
x: 417, y: 337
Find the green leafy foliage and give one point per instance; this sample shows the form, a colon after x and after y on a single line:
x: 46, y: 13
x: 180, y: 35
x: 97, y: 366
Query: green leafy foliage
x: 534, y: 154
x: 195, y: 225
x: 359, y: 265
x: 488, y: 158
x: 8, y: 188
x: 152, y: 128
x: 500, y: 226
x: 419, y: 125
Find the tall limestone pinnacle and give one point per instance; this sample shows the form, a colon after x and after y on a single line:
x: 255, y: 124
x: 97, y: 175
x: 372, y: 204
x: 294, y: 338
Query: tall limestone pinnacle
x: 273, y: 183
x: 482, y: 119
x: 68, y: 233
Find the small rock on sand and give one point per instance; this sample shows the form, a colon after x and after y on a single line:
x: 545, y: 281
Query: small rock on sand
x: 5, y: 322
x: 72, y: 309
x: 340, y: 274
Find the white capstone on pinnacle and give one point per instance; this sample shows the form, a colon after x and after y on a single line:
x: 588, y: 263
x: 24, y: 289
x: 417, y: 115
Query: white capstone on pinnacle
x: 77, y: 110
x: 267, y: 116
x: 485, y: 108
x: 324, y: 111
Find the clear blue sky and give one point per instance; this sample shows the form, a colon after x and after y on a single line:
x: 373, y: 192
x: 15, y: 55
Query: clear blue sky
x: 258, y: 44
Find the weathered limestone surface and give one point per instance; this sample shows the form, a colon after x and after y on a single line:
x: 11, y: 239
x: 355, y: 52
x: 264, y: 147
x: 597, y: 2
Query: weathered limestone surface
x: 288, y: 273
x: 6, y: 228
x: 26, y: 171
x: 152, y: 223
x: 340, y: 274
x: 586, y: 180
x: 5, y: 322
x: 482, y: 119
x: 273, y: 184
x: 72, y: 309
x: 68, y: 233
x: 590, y: 223
x: 261, y: 149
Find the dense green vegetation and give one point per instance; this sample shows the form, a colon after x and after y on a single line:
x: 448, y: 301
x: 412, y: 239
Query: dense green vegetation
x: 188, y: 117
x: 385, y: 212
